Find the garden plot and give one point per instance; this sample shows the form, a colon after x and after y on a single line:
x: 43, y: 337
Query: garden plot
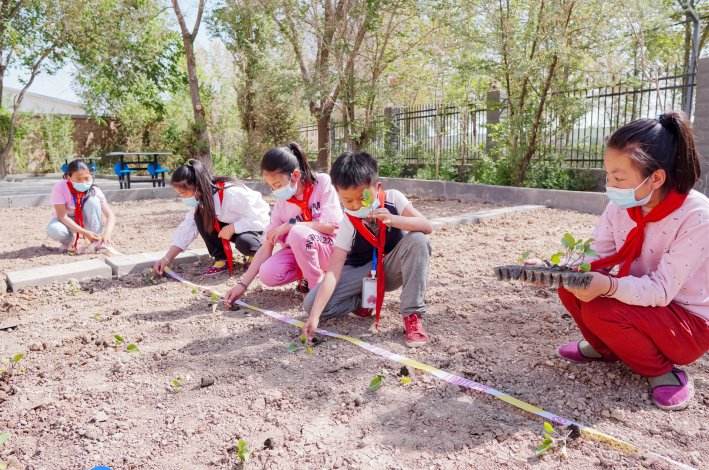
x: 196, y: 381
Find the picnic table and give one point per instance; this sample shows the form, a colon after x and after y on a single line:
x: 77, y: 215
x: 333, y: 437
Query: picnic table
x: 132, y: 162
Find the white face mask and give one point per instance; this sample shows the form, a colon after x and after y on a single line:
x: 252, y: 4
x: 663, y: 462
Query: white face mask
x: 625, y: 198
x: 286, y: 192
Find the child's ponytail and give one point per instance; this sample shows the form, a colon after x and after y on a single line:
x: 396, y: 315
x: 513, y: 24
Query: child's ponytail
x: 286, y: 160
x: 687, y: 167
x: 665, y: 143
x: 195, y: 175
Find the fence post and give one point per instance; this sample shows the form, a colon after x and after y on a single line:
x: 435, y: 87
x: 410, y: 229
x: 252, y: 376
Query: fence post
x: 701, y: 119
x: 493, y: 114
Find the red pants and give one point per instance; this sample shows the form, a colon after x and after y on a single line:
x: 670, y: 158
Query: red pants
x: 650, y: 340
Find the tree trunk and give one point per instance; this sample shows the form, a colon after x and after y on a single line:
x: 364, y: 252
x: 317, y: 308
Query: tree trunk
x: 201, y: 133
x: 324, y: 153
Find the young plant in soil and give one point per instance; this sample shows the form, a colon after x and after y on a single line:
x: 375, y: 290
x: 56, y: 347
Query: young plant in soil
x: 3, y: 438
x: 74, y: 287
x: 179, y: 382
x: 243, y: 452
x: 554, y: 439
x: 404, y: 378
x: 9, y: 365
x: 150, y: 276
x: 294, y: 346
x: 120, y: 342
x: 565, y: 268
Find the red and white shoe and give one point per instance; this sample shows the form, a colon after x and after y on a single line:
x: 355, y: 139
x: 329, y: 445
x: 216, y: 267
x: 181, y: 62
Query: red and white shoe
x: 415, y: 334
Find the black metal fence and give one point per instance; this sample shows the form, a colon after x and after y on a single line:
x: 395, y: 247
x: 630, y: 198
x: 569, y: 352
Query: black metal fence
x: 574, y: 129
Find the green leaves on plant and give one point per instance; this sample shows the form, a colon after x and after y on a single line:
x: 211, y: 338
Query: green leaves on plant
x: 132, y: 348
x: 585, y: 267
x: 568, y: 241
x: 214, y: 297
x: 119, y: 339
x: 523, y: 257
x: 543, y: 447
x: 195, y: 292
x: 376, y: 383
x: 405, y: 380
x: 556, y: 257
x: 549, y: 428
x: 97, y: 315
x: 16, y: 358
x: 576, y: 251
x: 178, y: 383
x: 292, y: 348
x: 242, y: 451
x: 4, y: 437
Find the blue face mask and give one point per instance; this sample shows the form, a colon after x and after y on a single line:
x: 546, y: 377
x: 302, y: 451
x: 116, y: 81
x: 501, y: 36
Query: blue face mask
x: 363, y: 212
x: 82, y: 187
x: 190, y: 201
x: 286, y: 192
x: 625, y: 198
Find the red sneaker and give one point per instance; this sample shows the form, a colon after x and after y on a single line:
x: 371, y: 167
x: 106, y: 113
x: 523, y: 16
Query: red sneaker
x: 363, y: 312
x: 218, y: 267
x: 415, y: 334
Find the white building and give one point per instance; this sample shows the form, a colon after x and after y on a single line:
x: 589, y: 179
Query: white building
x: 42, y: 104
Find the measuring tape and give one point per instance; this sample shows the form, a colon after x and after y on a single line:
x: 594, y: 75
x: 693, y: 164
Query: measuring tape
x: 587, y: 432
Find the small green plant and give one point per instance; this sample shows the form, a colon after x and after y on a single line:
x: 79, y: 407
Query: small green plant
x: 524, y: 257
x: 294, y: 346
x: 150, y: 276
x: 97, y: 315
x: 215, y: 302
x: 195, y: 292
x: 242, y: 451
x: 10, y: 364
x: 376, y: 383
x: 404, y: 376
x: 553, y: 438
x: 575, y: 251
x: 179, y: 382
x: 74, y: 287
x: 3, y: 438
x: 120, y: 342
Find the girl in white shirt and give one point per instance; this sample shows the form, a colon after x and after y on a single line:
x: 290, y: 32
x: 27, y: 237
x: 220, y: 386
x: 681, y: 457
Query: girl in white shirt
x: 223, y: 211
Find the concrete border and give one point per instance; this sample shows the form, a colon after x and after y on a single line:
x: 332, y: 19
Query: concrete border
x: 45, y: 275
x: 589, y: 202
x: 122, y: 265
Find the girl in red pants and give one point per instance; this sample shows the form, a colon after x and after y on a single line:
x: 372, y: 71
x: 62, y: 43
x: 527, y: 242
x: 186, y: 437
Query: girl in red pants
x: 654, y: 313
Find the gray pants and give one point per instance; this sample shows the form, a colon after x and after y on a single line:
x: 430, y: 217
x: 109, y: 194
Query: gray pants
x: 93, y: 221
x: 406, y: 266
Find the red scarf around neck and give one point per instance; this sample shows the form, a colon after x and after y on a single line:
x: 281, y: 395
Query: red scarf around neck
x: 378, y: 244
x: 225, y: 243
x: 304, y: 206
x: 633, y: 245
x: 78, y: 210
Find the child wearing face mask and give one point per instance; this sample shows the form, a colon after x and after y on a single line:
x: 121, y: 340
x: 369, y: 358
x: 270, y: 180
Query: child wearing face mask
x: 381, y: 246
x: 653, y: 314
x: 222, y: 211
x: 304, y: 222
x: 80, y: 210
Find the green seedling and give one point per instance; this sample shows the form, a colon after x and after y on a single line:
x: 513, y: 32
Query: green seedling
x: 195, y: 292
x: 150, y: 276
x: 120, y: 342
x: 376, y: 383
x: 404, y: 376
x: 293, y: 347
x: 575, y: 251
x: 242, y: 451
x: 3, y: 438
x: 215, y: 302
x: 97, y: 315
x: 178, y: 383
x: 554, y: 439
x: 524, y: 257
x: 74, y: 287
x: 10, y: 364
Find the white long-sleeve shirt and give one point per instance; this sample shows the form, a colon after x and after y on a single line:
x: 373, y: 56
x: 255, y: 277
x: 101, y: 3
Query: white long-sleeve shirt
x: 243, y: 207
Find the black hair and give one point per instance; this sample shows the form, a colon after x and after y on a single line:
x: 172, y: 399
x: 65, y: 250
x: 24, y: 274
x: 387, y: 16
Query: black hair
x: 286, y: 160
x: 665, y: 143
x: 79, y: 165
x: 352, y: 169
x: 195, y: 175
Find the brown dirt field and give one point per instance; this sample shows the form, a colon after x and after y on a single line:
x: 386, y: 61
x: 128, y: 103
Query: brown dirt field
x: 80, y: 403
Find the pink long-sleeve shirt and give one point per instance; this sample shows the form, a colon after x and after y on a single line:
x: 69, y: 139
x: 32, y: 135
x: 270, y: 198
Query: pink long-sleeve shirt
x: 673, y: 265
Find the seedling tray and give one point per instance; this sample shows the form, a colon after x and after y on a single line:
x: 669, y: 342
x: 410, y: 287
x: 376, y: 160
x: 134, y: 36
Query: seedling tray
x: 553, y: 276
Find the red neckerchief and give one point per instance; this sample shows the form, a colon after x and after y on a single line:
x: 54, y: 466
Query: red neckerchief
x: 304, y: 207
x: 379, y: 246
x: 225, y: 243
x: 307, y: 216
x: 634, y: 242
x: 78, y: 210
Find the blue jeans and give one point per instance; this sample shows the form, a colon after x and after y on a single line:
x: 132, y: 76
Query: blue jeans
x: 93, y: 221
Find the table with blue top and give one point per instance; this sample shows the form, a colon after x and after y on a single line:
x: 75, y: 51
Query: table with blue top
x: 132, y: 162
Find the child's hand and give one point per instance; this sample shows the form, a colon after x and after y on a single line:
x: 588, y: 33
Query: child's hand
x: 600, y: 284
x: 227, y: 232
x: 106, y: 240
x: 534, y: 262
x: 382, y: 214
x: 159, y: 266
x: 234, y: 294
x: 93, y: 237
x: 309, y: 328
x: 274, y: 235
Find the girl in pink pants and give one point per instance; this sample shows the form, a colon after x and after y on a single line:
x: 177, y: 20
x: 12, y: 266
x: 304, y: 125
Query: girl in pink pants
x: 304, y: 223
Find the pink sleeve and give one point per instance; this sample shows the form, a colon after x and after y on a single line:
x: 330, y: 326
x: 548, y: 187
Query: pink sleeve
x: 277, y: 216
x: 58, y: 193
x: 603, y: 241
x: 682, y: 258
x: 99, y: 194
x: 330, y: 208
